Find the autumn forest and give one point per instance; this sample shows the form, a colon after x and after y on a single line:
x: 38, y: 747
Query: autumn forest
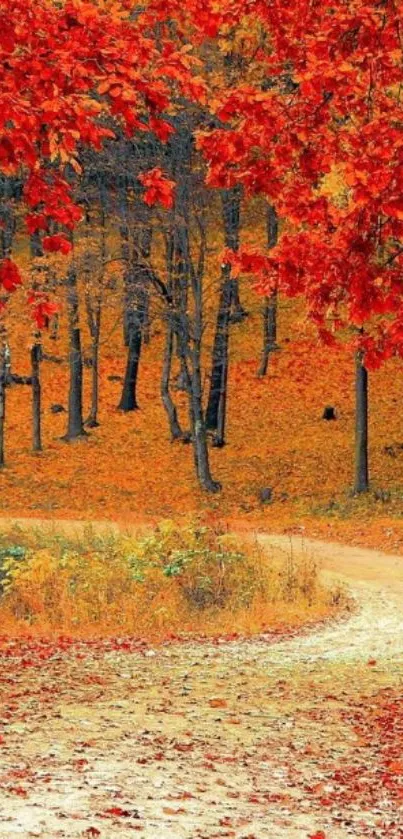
x: 201, y: 369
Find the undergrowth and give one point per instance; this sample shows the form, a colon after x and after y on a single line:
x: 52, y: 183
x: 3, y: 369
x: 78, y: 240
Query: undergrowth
x: 176, y: 580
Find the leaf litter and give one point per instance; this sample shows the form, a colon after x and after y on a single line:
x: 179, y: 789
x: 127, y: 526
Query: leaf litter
x: 292, y: 739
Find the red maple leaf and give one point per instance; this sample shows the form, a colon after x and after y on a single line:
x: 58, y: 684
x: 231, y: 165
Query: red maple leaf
x: 10, y: 277
x: 56, y: 244
x: 158, y: 188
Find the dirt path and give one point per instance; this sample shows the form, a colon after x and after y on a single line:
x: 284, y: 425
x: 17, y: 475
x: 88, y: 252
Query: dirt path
x: 247, y: 739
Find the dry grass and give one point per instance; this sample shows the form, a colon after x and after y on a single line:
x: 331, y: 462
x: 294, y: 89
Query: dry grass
x: 175, y: 581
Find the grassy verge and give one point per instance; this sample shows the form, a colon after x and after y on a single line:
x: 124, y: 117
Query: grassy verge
x: 174, y: 581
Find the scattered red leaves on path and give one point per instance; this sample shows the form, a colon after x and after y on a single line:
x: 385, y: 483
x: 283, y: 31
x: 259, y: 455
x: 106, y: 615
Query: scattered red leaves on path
x: 317, y: 741
x: 217, y: 702
x: 375, y: 774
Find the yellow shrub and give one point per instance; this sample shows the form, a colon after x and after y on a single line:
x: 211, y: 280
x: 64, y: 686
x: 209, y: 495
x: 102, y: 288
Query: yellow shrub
x: 177, y: 579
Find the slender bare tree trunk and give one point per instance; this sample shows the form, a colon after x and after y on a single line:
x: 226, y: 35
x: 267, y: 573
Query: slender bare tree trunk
x: 216, y: 407
x: 3, y: 385
x: 167, y: 401
x: 75, y: 424
x: 187, y: 308
x: 94, y: 301
x: 200, y: 447
x: 199, y: 430
x: 128, y: 401
x: 361, y: 481
x: 270, y: 305
x: 228, y: 301
x: 7, y: 229
x: 92, y: 421
x: 36, y: 397
x: 136, y: 280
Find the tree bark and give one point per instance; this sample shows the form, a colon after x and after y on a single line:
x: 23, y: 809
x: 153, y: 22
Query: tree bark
x: 199, y: 433
x: 36, y: 244
x: 197, y: 417
x: 269, y: 332
x: 187, y: 314
x: 92, y: 421
x: 216, y: 407
x: 75, y: 424
x: 136, y: 281
x: 36, y: 397
x: 199, y: 429
x: 270, y: 305
x: 191, y: 365
x: 142, y: 242
x: 178, y: 273
x: 94, y: 301
x: 361, y: 483
x: 128, y: 401
x: 2, y: 404
x: 7, y: 216
x: 229, y: 297
x: 167, y: 401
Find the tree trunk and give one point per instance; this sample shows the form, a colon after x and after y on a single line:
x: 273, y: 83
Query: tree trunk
x: 136, y: 282
x: 361, y: 483
x: 187, y: 315
x: 54, y: 327
x: 94, y: 301
x: 2, y: 404
x: 269, y: 332
x: 178, y: 271
x: 142, y: 242
x: 36, y: 397
x: 195, y: 392
x: 135, y: 305
x: 270, y: 306
x: 128, y: 401
x: 75, y: 425
x: 36, y: 244
x: 181, y: 279
x: 7, y: 216
x: 216, y: 407
x: 229, y: 298
x: 199, y: 432
x: 167, y: 401
x: 92, y: 421
x: 170, y: 339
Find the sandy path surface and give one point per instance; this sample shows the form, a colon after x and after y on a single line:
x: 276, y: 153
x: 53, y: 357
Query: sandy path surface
x: 247, y: 739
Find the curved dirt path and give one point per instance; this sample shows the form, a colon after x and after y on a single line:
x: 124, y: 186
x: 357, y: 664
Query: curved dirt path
x: 247, y: 739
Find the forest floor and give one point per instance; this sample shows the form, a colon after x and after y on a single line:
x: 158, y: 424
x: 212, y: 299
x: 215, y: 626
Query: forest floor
x: 290, y: 739
x: 276, y: 438
x: 128, y: 469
